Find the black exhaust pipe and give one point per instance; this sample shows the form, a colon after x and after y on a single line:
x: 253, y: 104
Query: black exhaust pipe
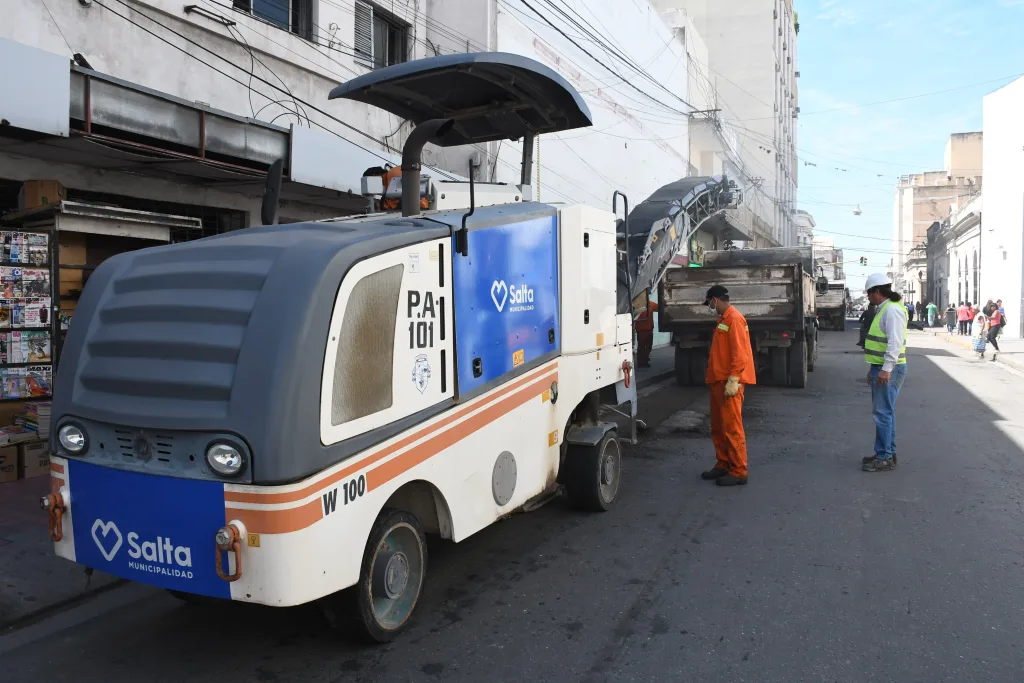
x: 412, y: 154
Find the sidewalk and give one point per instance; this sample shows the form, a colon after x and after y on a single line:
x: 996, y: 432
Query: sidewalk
x: 32, y: 578
x: 1012, y: 350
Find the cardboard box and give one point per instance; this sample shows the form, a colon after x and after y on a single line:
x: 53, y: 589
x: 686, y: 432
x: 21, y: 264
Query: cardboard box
x: 36, y: 193
x: 34, y: 460
x: 8, y: 463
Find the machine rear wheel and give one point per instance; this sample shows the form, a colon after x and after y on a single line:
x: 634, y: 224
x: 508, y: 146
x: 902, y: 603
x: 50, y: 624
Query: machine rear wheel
x: 798, y: 365
x: 391, y: 578
x: 682, y: 366
x: 594, y: 474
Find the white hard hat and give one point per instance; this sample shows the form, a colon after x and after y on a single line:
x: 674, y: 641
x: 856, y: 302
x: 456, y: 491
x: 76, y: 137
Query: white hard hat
x: 876, y: 280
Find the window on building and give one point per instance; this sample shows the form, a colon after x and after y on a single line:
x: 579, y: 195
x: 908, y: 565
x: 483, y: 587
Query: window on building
x: 294, y: 16
x: 381, y: 39
x: 976, y: 275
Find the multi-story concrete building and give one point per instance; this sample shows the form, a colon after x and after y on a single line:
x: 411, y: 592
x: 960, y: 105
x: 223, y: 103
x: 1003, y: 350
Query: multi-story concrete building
x: 752, y: 48
x: 953, y: 251
x: 218, y: 89
x: 827, y: 259
x: 804, y: 228
x: 923, y: 199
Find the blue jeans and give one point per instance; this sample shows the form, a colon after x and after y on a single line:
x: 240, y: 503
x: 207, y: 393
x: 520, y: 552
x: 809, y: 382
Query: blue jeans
x: 883, y: 403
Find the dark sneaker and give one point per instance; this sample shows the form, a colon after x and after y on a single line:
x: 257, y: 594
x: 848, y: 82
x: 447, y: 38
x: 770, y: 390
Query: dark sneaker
x: 729, y: 480
x: 879, y: 465
x: 865, y: 461
x: 713, y: 473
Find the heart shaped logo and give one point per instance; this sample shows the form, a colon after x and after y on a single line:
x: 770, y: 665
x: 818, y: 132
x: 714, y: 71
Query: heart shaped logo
x: 108, y: 529
x: 499, y: 294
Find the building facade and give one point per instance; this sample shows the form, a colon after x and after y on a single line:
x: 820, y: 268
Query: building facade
x: 954, y: 256
x: 752, y: 48
x: 923, y: 199
x: 804, y: 228
x: 828, y: 260
x: 1002, y: 233
x: 265, y: 75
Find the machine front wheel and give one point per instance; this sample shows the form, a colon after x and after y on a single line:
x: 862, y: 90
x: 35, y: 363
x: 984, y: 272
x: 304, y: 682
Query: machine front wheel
x: 391, y: 578
x: 594, y: 474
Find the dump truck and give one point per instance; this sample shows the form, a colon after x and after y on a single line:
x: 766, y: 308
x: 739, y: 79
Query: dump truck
x: 773, y: 288
x: 831, y: 305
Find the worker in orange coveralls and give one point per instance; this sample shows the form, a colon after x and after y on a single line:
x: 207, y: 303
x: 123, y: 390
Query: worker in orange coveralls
x: 644, y: 327
x: 730, y: 368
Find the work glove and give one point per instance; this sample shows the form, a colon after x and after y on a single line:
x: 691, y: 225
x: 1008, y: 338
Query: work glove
x: 732, y: 386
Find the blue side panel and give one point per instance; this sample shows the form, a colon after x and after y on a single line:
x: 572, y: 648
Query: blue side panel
x: 155, y: 530
x: 506, y: 298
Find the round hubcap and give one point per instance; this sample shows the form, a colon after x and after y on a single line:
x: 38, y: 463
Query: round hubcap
x: 396, y: 576
x: 608, y: 468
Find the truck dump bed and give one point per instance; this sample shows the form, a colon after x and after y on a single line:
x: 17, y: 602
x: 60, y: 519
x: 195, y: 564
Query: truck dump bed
x: 835, y: 298
x: 768, y: 286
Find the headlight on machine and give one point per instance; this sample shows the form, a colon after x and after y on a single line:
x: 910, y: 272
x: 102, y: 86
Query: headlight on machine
x: 72, y: 439
x: 225, y: 459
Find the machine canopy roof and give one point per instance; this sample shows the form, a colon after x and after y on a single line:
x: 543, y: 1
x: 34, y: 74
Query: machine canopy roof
x: 488, y: 96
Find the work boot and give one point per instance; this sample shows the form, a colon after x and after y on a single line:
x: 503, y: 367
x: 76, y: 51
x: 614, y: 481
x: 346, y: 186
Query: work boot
x: 879, y: 465
x: 713, y: 473
x: 729, y: 480
x: 866, y: 460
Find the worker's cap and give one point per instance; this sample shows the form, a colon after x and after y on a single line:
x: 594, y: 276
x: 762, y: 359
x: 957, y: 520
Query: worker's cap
x: 715, y: 292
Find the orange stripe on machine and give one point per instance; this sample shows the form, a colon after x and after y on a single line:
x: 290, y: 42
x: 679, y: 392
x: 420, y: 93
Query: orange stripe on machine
x: 296, y: 495
x: 281, y: 521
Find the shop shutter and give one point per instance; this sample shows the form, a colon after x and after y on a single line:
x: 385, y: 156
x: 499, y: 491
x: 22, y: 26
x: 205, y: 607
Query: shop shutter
x: 363, y: 368
x: 364, y: 34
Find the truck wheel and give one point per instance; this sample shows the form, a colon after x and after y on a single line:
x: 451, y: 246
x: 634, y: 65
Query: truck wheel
x: 798, y: 365
x: 682, y: 366
x: 842, y: 323
x: 391, y: 578
x: 777, y: 355
x: 594, y: 474
x: 698, y: 367
x: 812, y: 352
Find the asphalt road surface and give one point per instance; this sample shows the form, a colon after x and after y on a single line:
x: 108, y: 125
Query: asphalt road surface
x: 816, y: 571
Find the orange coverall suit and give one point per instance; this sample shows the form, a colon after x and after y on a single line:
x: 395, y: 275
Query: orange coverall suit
x: 644, y: 327
x: 730, y: 357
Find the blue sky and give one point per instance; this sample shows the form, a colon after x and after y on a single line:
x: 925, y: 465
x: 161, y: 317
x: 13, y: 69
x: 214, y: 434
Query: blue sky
x: 855, y: 52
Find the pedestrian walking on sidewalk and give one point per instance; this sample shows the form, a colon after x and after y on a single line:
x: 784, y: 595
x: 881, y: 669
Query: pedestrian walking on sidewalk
x: 933, y: 314
x: 981, y: 338
x: 971, y: 312
x: 730, y: 369
x: 910, y: 312
x: 962, y: 316
x: 996, y: 322
x: 885, y: 350
x: 950, y: 318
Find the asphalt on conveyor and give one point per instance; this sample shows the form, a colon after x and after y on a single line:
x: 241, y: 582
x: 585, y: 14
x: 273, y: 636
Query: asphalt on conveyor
x: 816, y: 571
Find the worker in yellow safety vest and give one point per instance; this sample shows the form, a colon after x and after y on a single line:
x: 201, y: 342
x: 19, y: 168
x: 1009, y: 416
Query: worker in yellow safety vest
x: 885, y: 350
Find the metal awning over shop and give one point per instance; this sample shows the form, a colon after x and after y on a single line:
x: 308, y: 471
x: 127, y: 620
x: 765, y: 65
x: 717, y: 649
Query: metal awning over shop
x: 114, y: 125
